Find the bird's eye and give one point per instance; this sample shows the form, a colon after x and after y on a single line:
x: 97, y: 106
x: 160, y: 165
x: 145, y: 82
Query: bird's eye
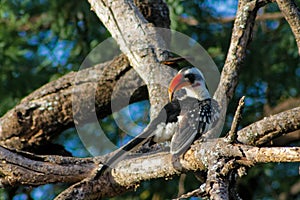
x: 190, y: 78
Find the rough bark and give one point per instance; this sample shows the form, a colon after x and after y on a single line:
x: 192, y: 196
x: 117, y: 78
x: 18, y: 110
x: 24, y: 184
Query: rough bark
x: 130, y: 171
x: 138, y: 39
x: 24, y: 168
x: 285, y: 105
x: 21, y: 168
x: 271, y: 127
x: 48, y: 111
x: 291, y: 13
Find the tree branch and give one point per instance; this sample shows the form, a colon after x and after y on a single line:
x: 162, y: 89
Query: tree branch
x: 271, y: 127
x: 261, y: 17
x: 20, y: 168
x: 241, y: 36
x: 292, y: 15
x: 199, y: 192
x: 130, y: 172
x: 27, y: 169
x: 140, y: 42
x: 47, y: 111
x: 232, y: 134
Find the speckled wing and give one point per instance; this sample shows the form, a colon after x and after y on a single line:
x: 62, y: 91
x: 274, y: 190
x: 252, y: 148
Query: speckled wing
x: 193, y: 123
x: 167, y: 115
x: 215, y: 110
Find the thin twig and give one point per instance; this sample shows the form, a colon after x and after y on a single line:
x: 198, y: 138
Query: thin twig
x: 195, y: 193
x: 232, y: 135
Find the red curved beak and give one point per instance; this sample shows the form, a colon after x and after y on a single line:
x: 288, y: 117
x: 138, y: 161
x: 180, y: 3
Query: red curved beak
x: 176, y: 84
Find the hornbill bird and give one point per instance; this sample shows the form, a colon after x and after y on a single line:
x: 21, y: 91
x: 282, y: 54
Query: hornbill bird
x: 183, y: 120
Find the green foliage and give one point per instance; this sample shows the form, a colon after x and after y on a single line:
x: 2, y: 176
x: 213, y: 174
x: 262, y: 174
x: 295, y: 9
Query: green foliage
x: 41, y: 40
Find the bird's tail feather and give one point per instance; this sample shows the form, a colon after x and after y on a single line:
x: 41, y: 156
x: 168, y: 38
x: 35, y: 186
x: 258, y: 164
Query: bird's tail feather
x: 122, y: 152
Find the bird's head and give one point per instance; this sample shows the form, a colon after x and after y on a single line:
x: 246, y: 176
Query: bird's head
x: 192, y: 80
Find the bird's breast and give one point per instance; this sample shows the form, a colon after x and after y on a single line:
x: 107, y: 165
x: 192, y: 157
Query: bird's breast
x: 164, y: 132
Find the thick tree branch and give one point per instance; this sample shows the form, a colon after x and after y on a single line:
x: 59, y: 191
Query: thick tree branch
x: 283, y: 106
x: 217, y: 186
x: 93, y: 189
x: 292, y: 15
x: 23, y: 168
x: 140, y: 42
x: 48, y: 110
x: 17, y: 168
x: 271, y: 127
x: 130, y: 172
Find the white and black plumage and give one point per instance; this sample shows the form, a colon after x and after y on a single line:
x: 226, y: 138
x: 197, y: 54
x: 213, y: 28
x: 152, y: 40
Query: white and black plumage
x: 183, y: 120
